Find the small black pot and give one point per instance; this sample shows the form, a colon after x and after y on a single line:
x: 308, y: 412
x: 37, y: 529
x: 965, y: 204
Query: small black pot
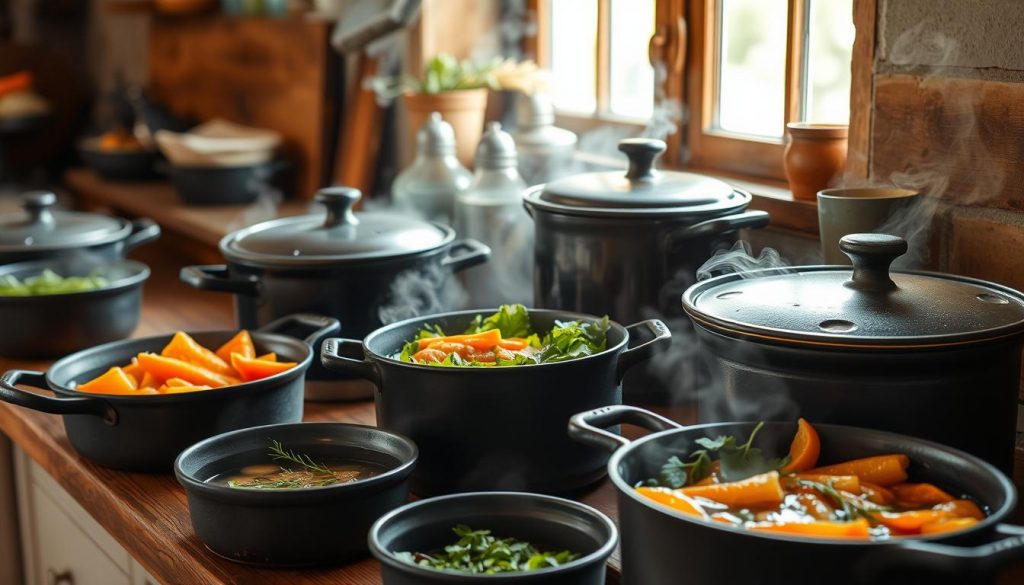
x: 213, y: 185
x: 52, y: 325
x: 120, y: 165
x: 493, y: 428
x: 146, y: 433
x: 300, y: 527
x: 547, y: 522
x: 659, y: 545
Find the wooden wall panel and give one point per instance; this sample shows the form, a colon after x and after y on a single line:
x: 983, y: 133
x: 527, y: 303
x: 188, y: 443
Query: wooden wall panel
x: 862, y: 84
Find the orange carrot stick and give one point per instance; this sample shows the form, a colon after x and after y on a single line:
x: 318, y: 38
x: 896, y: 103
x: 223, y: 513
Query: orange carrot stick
x: 674, y: 499
x: 948, y: 525
x: 884, y: 470
x: 911, y: 495
x: 876, y: 493
x: 165, y: 368
x: 254, y: 369
x: 759, y: 490
x: 910, y: 522
x: 857, y: 529
x: 847, y: 483
x: 484, y: 340
x: 805, y: 448
x: 961, y: 509
x: 240, y: 343
x: 113, y: 381
x: 186, y: 349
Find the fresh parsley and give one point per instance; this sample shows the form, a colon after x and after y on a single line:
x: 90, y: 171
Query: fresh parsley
x: 479, y: 552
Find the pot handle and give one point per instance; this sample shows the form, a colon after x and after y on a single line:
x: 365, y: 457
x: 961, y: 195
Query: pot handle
x: 9, y: 392
x: 632, y: 356
x: 473, y: 252
x: 321, y: 326
x: 721, y: 225
x: 585, y: 427
x: 974, y: 564
x: 332, y: 359
x: 144, y: 231
x: 214, y: 277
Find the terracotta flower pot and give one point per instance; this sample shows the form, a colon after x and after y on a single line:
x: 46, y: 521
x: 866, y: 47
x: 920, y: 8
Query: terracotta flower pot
x: 815, y: 156
x: 463, y: 109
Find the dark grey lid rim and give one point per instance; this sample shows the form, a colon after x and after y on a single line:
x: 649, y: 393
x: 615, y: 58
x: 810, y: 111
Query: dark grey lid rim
x: 838, y: 341
x: 123, y: 232
x: 532, y: 198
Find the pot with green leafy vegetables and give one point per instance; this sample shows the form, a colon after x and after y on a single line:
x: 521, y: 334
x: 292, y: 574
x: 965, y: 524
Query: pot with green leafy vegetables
x: 487, y: 394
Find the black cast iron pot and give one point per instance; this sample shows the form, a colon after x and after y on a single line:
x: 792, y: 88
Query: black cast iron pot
x: 293, y: 527
x: 923, y: 354
x: 664, y: 547
x: 364, y: 269
x: 42, y: 232
x: 227, y: 185
x: 119, y: 165
x: 551, y: 524
x: 145, y: 433
x: 493, y: 428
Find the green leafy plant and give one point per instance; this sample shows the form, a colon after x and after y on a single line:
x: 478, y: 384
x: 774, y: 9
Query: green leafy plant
x: 736, y: 462
x: 479, y: 552
x: 445, y: 73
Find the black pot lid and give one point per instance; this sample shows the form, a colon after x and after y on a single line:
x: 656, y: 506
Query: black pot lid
x: 40, y: 226
x: 339, y: 235
x: 869, y: 306
x: 642, y: 191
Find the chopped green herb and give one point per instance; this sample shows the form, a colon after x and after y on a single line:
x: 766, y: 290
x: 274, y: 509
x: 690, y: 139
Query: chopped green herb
x: 479, y: 552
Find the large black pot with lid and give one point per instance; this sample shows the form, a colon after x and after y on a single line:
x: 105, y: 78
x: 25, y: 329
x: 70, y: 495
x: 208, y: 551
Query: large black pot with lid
x: 627, y: 245
x: 365, y: 269
x: 40, y: 231
x: 931, y: 355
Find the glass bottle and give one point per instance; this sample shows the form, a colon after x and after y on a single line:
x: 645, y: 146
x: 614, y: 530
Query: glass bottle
x: 429, y: 186
x: 545, y: 150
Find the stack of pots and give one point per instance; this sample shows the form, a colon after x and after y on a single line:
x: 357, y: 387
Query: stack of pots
x: 629, y: 245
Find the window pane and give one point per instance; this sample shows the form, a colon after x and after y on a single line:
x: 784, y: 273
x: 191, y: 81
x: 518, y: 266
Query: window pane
x: 632, y: 77
x: 752, y: 66
x: 573, y: 37
x: 829, y: 51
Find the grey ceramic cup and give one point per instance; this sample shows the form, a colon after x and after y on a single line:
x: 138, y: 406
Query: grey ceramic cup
x: 856, y: 210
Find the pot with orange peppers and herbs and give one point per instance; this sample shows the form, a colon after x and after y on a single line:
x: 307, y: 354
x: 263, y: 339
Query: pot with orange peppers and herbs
x: 135, y: 404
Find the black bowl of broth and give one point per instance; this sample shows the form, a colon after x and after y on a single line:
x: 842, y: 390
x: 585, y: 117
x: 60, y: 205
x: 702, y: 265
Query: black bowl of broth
x: 287, y: 495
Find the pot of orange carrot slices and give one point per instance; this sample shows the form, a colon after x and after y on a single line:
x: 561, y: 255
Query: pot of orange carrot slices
x: 789, y: 503
x: 135, y: 404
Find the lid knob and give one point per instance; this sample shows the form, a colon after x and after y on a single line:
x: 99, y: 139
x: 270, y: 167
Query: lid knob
x: 340, y: 202
x: 642, y: 153
x: 872, y: 254
x: 38, y: 204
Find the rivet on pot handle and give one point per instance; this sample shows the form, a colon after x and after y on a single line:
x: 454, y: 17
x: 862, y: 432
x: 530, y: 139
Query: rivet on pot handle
x: 975, y: 564
x: 466, y: 253
x: 321, y: 326
x: 332, y: 359
x: 635, y: 355
x: 721, y: 225
x: 9, y: 392
x: 586, y: 427
x: 214, y: 277
x: 144, y: 231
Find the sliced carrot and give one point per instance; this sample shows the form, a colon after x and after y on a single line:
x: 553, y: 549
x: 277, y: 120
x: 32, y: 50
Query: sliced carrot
x: 149, y: 380
x: 177, y: 383
x: 758, y: 490
x: 712, y: 477
x: 675, y: 500
x: 147, y: 390
x: 911, y: 495
x: 513, y: 344
x: 847, y: 483
x: 805, y: 448
x: 961, y: 509
x: 484, y: 340
x: 884, y: 470
x: 910, y: 522
x: 429, y: 355
x: 254, y: 369
x: 858, y: 528
x: 181, y: 389
x: 240, y: 343
x: 113, y: 381
x: 876, y: 493
x: 816, y: 505
x: 186, y: 349
x: 270, y: 357
x: 165, y: 368
x: 135, y: 371
x: 948, y: 525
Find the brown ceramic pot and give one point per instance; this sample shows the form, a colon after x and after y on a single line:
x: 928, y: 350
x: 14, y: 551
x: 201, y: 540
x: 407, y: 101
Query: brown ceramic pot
x: 815, y: 157
x: 463, y: 109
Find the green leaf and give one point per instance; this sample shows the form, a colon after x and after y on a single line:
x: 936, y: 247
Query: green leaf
x: 479, y: 552
x: 511, y: 320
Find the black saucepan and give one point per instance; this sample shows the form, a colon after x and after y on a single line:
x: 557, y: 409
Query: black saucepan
x: 120, y: 165
x: 146, y: 433
x: 294, y: 527
x: 546, y: 522
x: 663, y: 547
x: 493, y: 428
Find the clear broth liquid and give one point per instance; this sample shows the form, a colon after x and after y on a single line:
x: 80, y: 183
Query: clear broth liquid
x: 291, y: 476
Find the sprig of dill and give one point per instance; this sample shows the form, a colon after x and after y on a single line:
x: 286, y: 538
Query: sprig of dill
x: 279, y: 453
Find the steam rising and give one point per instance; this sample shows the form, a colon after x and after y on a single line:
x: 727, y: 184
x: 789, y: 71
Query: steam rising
x: 740, y: 259
x: 421, y: 292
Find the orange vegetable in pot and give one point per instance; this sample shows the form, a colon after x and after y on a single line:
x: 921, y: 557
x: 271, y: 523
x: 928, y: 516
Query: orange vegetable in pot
x: 948, y: 525
x: 917, y: 494
x: 255, y: 369
x: 166, y: 368
x: 166, y: 389
x: 674, y: 499
x: 804, y: 450
x: 829, y: 529
x: 135, y: 371
x: 149, y: 380
x: 884, y: 470
x: 876, y: 493
x: 240, y: 343
x: 184, y: 348
x: 430, y: 355
x: 270, y: 357
x: 759, y: 490
x: 484, y: 340
x: 961, y: 508
x: 113, y: 381
x: 513, y: 344
x: 910, y: 522
x: 847, y: 483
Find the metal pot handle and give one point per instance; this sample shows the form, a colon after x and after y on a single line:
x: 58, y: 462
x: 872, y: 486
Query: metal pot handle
x: 214, y: 277
x: 144, y: 231
x: 721, y: 225
x: 974, y: 563
x: 332, y: 359
x: 473, y: 252
x: 585, y: 427
x: 644, y: 351
x: 321, y: 326
x: 9, y: 392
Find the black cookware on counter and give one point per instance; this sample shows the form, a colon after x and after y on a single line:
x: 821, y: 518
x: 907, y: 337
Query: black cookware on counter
x: 227, y: 185
x: 119, y: 165
x: 146, y: 433
x: 930, y: 355
x: 494, y: 428
x: 41, y: 231
x: 352, y: 266
x: 628, y: 245
x: 299, y: 526
x: 547, y: 522
x: 664, y: 547
x: 50, y: 325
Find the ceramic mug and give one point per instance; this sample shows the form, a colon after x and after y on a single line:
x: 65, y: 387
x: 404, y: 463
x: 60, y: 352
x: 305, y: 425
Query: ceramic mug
x: 856, y: 210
